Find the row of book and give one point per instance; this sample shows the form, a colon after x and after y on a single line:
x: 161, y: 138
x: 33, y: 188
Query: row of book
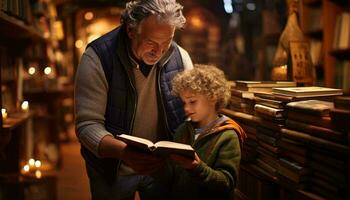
x: 297, y: 136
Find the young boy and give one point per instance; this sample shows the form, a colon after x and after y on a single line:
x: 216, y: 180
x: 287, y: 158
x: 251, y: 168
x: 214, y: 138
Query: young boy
x: 217, y: 139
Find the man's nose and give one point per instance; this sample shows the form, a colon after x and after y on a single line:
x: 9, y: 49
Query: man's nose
x: 158, y: 50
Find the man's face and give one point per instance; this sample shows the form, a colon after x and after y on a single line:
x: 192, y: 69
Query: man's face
x: 151, y: 40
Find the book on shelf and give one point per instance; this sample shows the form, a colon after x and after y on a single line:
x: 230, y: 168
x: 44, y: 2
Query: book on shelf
x: 342, y: 31
x: 313, y: 141
x: 317, y: 131
x: 158, y: 148
x: 312, y: 91
x: 270, y: 102
x: 322, y: 121
x: 313, y: 107
x: 292, y: 146
x: 342, y: 102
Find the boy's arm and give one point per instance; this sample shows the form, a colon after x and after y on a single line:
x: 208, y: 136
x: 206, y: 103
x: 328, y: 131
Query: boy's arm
x: 224, y: 171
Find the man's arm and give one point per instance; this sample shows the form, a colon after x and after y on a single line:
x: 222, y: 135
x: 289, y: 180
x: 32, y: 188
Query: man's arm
x: 91, y: 89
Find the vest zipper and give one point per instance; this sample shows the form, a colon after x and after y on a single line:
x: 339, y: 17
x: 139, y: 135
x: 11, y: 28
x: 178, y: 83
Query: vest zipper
x: 135, y: 103
x: 161, y: 99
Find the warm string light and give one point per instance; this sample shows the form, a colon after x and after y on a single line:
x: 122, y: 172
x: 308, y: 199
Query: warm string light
x: 3, y: 113
x: 33, y: 166
x: 25, y: 106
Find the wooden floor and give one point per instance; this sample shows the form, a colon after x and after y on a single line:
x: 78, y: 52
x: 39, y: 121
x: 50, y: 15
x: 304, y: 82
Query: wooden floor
x: 72, y: 179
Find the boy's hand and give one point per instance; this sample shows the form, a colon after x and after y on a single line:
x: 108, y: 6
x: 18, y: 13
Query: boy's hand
x: 186, y: 162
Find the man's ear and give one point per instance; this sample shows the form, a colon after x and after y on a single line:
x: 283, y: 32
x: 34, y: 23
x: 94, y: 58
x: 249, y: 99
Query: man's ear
x: 131, y: 31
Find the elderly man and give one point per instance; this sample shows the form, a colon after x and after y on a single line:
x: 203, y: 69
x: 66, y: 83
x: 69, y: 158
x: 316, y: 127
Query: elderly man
x: 123, y: 86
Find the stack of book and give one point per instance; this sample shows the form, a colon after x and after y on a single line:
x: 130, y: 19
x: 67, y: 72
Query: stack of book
x: 248, y: 123
x: 301, y: 137
x: 243, y: 93
x: 309, y: 123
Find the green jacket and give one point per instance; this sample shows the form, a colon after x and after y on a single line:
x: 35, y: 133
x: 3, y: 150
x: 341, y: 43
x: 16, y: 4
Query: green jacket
x: 220, y: 154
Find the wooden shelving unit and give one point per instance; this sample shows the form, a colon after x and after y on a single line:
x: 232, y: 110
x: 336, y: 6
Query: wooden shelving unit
x: 329, y: 10
x: 22, y: 41
x: 16, y: 28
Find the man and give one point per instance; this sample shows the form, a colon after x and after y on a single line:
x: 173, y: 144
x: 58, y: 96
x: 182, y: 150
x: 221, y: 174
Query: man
x: 123, y: 86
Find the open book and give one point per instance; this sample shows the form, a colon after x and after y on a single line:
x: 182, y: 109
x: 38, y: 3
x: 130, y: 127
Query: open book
x: 159, y: 148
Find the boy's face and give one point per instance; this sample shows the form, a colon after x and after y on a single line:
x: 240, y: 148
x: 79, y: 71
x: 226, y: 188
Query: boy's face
x: 151, y: 40
x: 198, y: 107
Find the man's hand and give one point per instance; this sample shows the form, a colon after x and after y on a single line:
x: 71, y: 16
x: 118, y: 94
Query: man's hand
x: 186, y: 162
x: 142, y: 163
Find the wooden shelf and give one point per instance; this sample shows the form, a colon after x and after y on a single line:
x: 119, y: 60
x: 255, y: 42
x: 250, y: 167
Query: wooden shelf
x: 311, y: 3
x: 315, y: 33
x: 14, y: 120
x: 341, y: 54
x: 341, y: 2
x: 12, y: 27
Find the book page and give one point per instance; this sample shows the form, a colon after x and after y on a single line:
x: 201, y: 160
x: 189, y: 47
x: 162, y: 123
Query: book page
x: 136, y: 141
x: 173, y: 145
x: 168, y: 147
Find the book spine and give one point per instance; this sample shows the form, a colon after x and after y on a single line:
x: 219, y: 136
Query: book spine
x: 273, y: 112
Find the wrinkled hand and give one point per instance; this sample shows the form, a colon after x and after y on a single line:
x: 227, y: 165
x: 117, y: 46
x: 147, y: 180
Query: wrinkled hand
x: 142, y: 163
x: 186, y: 162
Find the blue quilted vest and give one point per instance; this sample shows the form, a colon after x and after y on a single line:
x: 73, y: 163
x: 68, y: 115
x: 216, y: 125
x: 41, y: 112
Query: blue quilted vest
x: 121, y: 101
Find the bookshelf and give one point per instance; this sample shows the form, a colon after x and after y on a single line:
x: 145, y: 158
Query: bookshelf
x: 25, y: 41
x: 318, y: 19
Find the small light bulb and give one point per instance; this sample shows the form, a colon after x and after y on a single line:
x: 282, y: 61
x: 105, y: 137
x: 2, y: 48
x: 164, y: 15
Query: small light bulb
x: 38, y: 174
x: 31, y: 70
x: 31, y: 162
x: 25, y: 106
x: 3, y: 113
x: 47, y: 70
x: 38, y: 163
x: 26, y: 168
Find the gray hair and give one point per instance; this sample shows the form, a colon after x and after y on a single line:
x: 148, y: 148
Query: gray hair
x: 166, y: 11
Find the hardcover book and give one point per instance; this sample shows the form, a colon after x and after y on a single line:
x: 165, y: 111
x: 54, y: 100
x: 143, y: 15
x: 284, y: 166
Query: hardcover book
x: 159, y: 148
x: 314, y: 107
x: 265, y: 84
x: 312, y: 91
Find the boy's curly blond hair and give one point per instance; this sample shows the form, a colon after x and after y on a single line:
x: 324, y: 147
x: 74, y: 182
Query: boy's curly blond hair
x: 203, y: 79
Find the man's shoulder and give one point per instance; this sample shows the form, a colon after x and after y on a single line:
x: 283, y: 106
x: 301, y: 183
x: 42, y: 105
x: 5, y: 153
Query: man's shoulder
x: 109, y: 37
x: 185, y: 57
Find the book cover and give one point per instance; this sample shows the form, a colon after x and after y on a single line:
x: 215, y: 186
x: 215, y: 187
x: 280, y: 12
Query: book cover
x: 342, y: 102
x: 264, y: 84
x: 314, y: 107
x: 324, y: 122
x: 270, y: 102
x: 159, y: 148
x: 312, y: 91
